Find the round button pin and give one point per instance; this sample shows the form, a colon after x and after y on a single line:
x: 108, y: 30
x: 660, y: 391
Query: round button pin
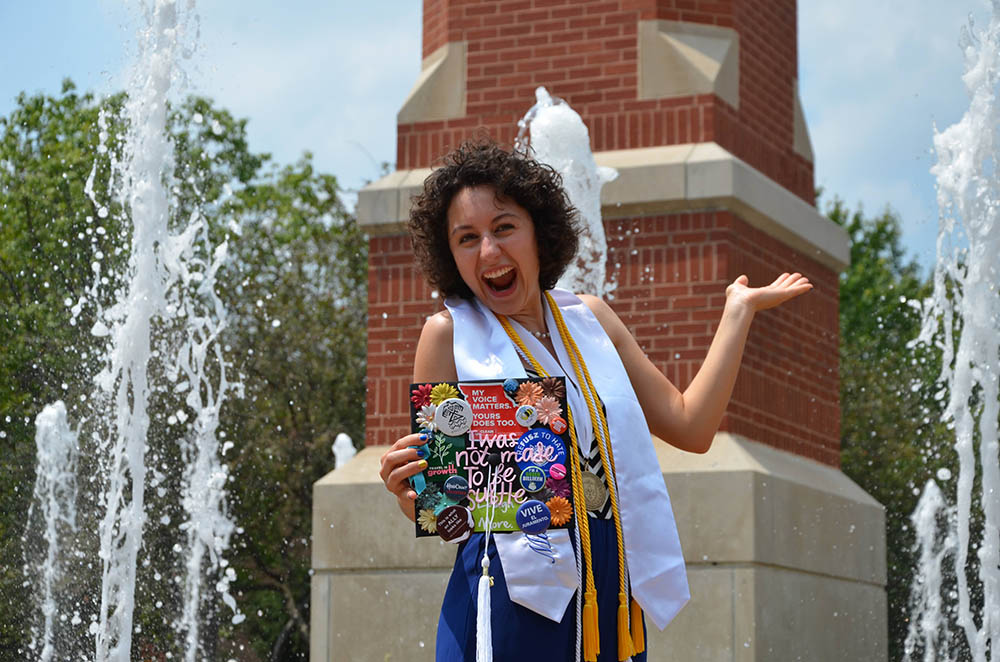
x: 453, y: 417
x: 456, y: 487
x: 532, y: 517
x: 557, y: 471
x: 454, y: 523
x: 533, y: 479
x: 510, y: 385
x: 526, y: 415
x: 558, y: 424
x: 539, y: 447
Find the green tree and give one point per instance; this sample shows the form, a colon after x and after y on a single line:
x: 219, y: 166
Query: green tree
x: 891, y: 436
x: 299, y: 323
x: 294, y: 287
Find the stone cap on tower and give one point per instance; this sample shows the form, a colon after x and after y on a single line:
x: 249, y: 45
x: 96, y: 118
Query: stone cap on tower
x: 641, y: 73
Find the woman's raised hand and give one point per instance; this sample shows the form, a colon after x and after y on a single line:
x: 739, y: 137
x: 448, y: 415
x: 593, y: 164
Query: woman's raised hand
x: 786, y: 286
x: 401, y: 462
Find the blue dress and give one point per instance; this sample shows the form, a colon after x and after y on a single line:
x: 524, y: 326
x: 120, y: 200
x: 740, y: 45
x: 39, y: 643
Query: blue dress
x: 518, y: 632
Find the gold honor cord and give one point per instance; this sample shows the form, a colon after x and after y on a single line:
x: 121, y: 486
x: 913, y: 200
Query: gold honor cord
x: 629, y: 642
x: 591, y: 641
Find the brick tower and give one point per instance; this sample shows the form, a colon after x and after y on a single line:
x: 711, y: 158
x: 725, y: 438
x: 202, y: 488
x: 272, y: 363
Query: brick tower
x: 695, y: 103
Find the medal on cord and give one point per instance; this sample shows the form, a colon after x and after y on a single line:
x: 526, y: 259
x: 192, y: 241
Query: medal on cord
x: 631, y: 638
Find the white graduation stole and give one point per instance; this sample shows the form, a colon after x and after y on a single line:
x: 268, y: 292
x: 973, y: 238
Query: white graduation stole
x: 652, y: 548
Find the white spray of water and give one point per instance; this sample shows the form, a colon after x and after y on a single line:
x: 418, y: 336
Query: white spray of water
x: 965, y: 297
x: 934, y: 525
x: 165, y: 279
x: 559, y: 138
x: 125, y: 380
x: 208, y: 527
x: 54, y: 503
x: 343, y: 450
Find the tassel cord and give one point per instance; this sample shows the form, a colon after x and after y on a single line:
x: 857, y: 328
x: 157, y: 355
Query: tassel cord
x: 484, y: 626
x: 591, y: 636
x: 600, y: 424
x: 626, y: 629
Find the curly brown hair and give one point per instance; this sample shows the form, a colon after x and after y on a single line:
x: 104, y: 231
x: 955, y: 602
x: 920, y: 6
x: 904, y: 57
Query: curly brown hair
x: 534, y: 186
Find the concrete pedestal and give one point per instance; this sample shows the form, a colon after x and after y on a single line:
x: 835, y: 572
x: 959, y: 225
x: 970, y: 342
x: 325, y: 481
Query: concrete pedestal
x: 786, y: 561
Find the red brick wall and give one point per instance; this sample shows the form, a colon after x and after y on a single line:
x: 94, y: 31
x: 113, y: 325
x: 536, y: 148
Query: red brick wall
x: 672, y: 270
x: 671, y: 273
x: 399, y: 300
x: 585, y: 51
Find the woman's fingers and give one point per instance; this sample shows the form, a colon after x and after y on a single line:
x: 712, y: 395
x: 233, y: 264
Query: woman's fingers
x: 415, y: 439
x: 398, y: 482
x: 400, y: 462
x: 780, y: 279
x: 786, y: 280
x: 784, y: 287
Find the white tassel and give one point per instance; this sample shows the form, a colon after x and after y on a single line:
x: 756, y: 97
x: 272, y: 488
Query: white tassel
x: 484, y: 630
x: 484, y: 633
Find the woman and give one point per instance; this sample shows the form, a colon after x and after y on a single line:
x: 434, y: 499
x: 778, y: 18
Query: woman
x: 493, y: 231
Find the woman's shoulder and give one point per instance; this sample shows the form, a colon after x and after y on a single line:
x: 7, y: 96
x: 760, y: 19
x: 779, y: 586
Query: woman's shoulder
x: 595, y: 303
x: 435, y: 358
x: 440, y: 323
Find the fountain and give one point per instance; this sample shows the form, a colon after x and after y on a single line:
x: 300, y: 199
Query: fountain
x: 55, y: 500
x: 343, y: 450
x: 555, y: 134
x: 160, y: 338
x: 957, y: 596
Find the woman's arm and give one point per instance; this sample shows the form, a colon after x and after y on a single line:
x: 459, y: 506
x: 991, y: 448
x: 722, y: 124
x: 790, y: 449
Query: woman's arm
x: 434, y: 362
x: 690, y: 419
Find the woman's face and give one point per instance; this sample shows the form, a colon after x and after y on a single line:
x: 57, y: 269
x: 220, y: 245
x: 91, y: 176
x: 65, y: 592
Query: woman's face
x: 493, y: 242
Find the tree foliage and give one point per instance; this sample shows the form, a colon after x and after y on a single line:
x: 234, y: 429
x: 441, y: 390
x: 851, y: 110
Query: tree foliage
x: 48, y: 238
x: 299, y: 324
x: 294, y: 288
x: 892, y: 438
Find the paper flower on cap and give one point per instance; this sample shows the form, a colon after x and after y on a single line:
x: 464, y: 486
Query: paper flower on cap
x: 442, y: 392
x: 425, y: 417
x: 553, y: 388
x: 528, y: 393
x: 548, y: 409
x: 560, y: 509
x: 559, y: 487
x: 428, y: 521
x: 421, y: 396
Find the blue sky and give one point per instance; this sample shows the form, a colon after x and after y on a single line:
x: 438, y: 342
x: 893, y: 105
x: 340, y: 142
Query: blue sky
x: 329, y: 77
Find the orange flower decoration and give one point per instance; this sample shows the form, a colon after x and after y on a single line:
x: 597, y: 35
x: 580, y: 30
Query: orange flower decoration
x: 560, y: 509
x: 548, y: 408
x: 528, y: 393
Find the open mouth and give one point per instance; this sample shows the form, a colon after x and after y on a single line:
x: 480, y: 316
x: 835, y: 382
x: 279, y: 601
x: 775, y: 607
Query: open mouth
x: 500, y: 280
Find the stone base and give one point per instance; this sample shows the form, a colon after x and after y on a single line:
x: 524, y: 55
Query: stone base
x: 786, y: 561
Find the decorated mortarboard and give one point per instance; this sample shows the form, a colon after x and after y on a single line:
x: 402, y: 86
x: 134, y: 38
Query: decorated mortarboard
x: 512, y: 431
